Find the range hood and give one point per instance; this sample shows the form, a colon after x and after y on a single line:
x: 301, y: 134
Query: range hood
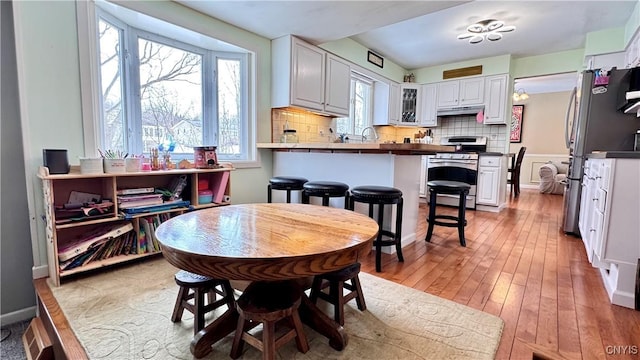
x: 463, y: 110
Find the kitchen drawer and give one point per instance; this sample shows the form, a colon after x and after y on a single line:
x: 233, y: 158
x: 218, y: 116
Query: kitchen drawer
x: 492, y: 161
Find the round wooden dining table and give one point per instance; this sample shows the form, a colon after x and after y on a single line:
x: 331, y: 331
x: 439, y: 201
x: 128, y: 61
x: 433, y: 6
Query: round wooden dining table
x: 266, y: 242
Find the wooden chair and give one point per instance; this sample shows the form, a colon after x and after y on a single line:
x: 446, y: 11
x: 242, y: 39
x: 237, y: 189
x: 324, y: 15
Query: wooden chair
x: 337, y: 281
x: 514, y: 171
x: 193, y: 288
x: 268, y: 304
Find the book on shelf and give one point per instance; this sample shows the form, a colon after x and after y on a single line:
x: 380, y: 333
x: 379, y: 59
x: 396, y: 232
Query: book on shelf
x: 220, y: 186
x: 136, y: 197
x: 167, y: 205
x: 132, y: 191
x: 80, y: 245
x: 139, y: 203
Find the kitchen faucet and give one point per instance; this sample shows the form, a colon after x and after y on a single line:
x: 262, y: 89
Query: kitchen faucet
x: 375, y: 134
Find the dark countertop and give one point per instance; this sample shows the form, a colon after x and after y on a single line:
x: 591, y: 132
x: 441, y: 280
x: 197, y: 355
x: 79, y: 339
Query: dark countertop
x: 614, y: 155
x: 491, y: 154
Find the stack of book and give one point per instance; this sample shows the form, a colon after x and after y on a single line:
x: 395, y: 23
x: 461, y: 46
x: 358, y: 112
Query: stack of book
x: 102, y: 242
x: 138, y: 197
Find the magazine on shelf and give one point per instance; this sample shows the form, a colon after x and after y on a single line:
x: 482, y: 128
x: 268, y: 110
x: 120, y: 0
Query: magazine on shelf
x: 101, y: 234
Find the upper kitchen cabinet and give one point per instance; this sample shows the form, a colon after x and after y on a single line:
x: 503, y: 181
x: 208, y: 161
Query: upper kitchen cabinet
x: 496, y: 104
x: 465, y: 92
x: 410, y: 105
x: 308, y: 77
x: 428, y: 116
x: 386, y: 103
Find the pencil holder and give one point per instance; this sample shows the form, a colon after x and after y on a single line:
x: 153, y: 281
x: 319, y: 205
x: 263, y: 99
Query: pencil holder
x: 91, y: 166
x: 114, y: 166
x: 133, y: 164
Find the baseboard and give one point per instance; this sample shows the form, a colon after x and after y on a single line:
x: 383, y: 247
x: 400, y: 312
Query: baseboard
x: 17, y: 316
x: 41, y: 271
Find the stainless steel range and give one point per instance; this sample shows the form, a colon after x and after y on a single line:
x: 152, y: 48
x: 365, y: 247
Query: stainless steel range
x: 459, y: 166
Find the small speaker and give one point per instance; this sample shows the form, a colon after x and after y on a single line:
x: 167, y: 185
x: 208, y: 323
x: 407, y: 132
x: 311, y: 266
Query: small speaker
x: 56, y: 160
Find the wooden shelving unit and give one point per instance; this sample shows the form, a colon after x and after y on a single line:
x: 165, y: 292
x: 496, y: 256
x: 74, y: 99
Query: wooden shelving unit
x: 57, y: 189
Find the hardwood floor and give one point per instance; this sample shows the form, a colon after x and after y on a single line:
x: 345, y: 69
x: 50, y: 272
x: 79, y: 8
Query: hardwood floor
x: 519, y: 265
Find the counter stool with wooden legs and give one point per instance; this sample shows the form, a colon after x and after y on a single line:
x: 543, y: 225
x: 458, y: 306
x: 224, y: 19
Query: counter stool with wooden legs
x: 269, y: 303
x: 194, y: 287
x: 451, y: 188
x: 382, y: 196
x: 337, y: 282
x: 286, y: 183
x: 325, y: 190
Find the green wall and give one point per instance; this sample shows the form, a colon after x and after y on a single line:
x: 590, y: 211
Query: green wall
x: 605, y: 41
x: 51, y: 108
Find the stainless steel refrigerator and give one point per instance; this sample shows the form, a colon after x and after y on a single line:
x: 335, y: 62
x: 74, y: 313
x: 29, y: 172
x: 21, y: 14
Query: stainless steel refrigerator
x: 597, y: 125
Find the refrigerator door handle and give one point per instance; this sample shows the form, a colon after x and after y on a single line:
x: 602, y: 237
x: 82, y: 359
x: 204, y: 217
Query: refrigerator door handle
x: 567, y: 130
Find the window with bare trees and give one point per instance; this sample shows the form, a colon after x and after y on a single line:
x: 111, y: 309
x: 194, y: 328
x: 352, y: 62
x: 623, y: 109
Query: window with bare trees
x: 155, y: 90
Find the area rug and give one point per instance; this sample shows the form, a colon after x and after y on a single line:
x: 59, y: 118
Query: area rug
x: 125, y: 313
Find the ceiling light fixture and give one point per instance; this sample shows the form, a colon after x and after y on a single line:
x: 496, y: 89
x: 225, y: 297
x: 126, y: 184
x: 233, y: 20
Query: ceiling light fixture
x: 520, y: 95
x: 489, y: 29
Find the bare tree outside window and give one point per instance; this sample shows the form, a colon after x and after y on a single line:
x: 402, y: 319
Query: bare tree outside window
x: 170, y: 94
x: 171, y: 105
x: 112, y: 91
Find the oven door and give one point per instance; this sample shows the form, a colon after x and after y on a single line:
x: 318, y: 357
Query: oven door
x: 465, y: 171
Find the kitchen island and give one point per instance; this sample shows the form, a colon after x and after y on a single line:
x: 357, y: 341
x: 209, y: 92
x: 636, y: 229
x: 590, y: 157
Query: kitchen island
x: 356, y: 164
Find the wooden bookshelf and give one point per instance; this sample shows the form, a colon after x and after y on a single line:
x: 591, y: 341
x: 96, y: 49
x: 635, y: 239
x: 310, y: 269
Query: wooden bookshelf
x: 57, y: 189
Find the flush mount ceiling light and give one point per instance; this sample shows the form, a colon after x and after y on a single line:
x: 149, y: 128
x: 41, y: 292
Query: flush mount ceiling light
x: 490, y: 29
x: 520, y: 95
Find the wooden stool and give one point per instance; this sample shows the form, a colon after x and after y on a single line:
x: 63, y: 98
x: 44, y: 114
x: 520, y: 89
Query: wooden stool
x: 287, y: 183
x: 381, y: 196
x: 268, y: 303
x: 325, y: 190
x: 193, y: 287
x: 337, y: 282
x: 452, y: 188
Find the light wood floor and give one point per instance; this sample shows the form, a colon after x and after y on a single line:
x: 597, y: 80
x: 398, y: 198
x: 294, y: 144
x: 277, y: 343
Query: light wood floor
x: 519, y: 265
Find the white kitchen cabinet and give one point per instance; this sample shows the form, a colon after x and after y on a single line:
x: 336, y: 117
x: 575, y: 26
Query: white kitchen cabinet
x: 465, y: 92
x: 428, y: 116
x: 609, y: 223
x: 386, y: 103
x: 489, y: 180
x: 337, y: 86
x: 495, y: 107
x: 410, y: 105
x: 308, y: 77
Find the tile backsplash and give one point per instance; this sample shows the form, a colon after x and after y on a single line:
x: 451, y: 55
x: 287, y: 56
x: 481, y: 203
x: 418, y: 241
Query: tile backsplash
x: 311, y: 127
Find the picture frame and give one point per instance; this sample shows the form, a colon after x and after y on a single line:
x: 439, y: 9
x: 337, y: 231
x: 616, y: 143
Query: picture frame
x: 375, y: 59
x: 517, y: 117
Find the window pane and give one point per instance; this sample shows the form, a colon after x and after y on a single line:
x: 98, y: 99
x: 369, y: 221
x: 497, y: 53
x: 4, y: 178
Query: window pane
x: 112, y: 92
x: 229, y: 105
x: 170, y: 96
x: 361, y: 97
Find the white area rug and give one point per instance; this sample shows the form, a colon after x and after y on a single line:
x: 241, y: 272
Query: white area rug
x: 125, y: 314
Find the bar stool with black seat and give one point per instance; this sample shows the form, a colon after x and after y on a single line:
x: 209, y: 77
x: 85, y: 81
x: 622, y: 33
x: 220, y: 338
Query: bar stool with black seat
x: 286, y: 183
x: 381, y: 196
x: 194, y: 287
x: 461, y: 189
x: 325, y: 190
x: 268, y: 303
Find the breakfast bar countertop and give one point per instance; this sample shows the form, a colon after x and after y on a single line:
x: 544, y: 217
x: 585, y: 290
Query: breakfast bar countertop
x: 402, y: 149
x: 614, y: 155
